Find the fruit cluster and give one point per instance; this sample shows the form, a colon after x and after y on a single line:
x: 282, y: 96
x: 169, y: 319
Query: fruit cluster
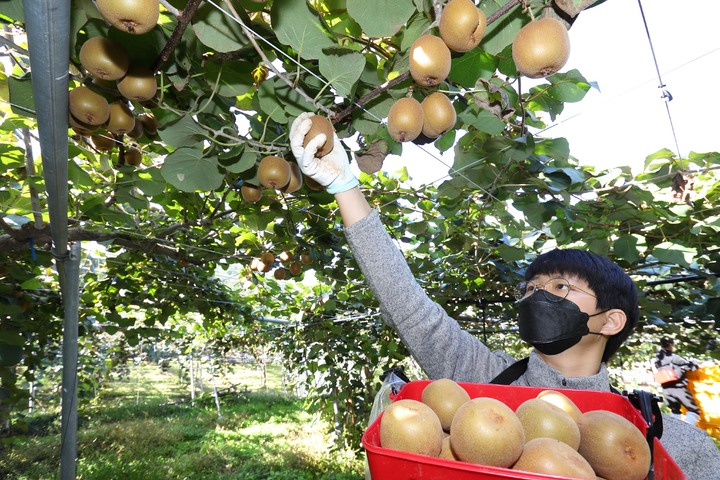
x: 546, y: 435
x: 276, y: 173
x: 289, y: 264
x: 539, y: 49
x: 107, y: 61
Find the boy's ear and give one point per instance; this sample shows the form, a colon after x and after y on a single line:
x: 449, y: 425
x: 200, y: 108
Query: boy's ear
x: 615, y: 320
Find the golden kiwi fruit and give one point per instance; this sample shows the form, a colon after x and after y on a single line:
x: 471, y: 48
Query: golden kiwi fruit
x: 250, y: 193
x: 274, y: 172
x: 429, y: 60
x: 541, y: 48
x: 296, y: 179
x: 131, y: 16
x: 613, y: 446
x: 138, y: 84
x: 541, y: 419
x: 462, y: 25
x: 320, y: 125
x: 104, y: 143
x: 121, y: 119
x: 438, y: 114
x: 486, y: 431
x: 405, y: 119
x: 133, y: 156
x: 552, y: 457
x: 411, y: 426
x: 561, y: 400
x: 88, y: 107
x: 149, y: 123
x: 444, y: 396
x: 104, y: 58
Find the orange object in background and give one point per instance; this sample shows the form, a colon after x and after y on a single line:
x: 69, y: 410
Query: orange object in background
x: 704, y: 384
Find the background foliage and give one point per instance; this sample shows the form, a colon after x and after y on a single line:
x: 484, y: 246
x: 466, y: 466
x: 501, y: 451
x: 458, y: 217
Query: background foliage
x: 169, y: 244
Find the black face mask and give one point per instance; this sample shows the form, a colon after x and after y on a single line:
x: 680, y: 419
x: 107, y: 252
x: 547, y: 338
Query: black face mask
x: 552, y: 327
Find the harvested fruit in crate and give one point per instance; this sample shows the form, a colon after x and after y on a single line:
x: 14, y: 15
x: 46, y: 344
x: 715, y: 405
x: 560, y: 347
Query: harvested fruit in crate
x: 512, y: 432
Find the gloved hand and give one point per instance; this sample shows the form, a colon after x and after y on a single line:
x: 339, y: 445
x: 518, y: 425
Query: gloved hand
x: 333, y: 170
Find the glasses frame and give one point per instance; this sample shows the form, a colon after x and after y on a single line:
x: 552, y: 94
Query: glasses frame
x: 520, y: 290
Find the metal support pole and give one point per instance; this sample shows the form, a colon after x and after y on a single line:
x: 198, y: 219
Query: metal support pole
x: 71, y: 300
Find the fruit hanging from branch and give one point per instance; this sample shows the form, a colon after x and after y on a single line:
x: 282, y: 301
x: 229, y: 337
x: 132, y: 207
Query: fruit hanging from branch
x: 438, y: 114
x: 405, y: 119
x: 429, y: 60
x: 131, y: 16
x: 462, y: 25
x: 541, y: 48
x: 104, y: 58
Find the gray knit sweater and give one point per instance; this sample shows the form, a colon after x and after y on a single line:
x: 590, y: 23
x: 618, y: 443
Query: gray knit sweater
x: 444, y: 350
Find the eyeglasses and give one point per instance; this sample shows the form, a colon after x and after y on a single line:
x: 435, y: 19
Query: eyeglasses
x: 559, y: 288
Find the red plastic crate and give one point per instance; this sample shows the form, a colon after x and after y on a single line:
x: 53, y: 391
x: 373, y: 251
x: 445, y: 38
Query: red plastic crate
x: 387, y: 464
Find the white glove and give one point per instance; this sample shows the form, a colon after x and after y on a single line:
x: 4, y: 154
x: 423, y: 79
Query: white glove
x: 333, y: 170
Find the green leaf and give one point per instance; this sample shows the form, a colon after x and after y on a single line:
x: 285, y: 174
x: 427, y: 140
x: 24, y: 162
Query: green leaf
x: 31, y: 284
x: 217, y: 30
x: 188, y: 170
x: 296, y: 25
x: 270, y: 104
x: 381, y: 18
x: 501, y: 33
x: 675, y: 254
x: 235, y: 78
x: 22, y: 100
x: 625, y: 247
x: 568, y: 87
x: 240, y: 163
x: 183, y: 133
x: 342, y: 68
x: 78, y: 176
x: 483, y: 121
x: 150, y: 181
x: 467, y: 68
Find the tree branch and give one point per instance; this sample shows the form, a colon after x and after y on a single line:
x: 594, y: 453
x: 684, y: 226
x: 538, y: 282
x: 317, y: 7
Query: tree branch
x: 184, y: 17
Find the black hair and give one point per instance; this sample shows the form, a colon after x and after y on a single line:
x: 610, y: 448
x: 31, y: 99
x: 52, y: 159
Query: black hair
x: 665, y: 342
x: 612, y: 286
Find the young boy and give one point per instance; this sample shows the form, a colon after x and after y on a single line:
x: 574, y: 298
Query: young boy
x: 575, y: 309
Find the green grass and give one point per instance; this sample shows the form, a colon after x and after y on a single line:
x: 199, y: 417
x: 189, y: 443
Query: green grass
x: 145, y: 428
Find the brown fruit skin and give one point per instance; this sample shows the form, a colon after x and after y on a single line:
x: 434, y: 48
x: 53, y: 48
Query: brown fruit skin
x: 411, y: 426
x: 486, y: 431
x: 104, y: 58
x: 296, y: 179
x: 438, y: 114
x: 444, y: 396
x: 541, y: 48
x: 405, y: 119
x: 429, y: 60
x: 121, y: 119
x: 274, y: 172
x: 250, y: 193
x: 312, y: 184
x: 131, y: 16
x: 280, y: 274
x: 104, y: 143
x: 267, y: 258
x: 541, y: 419
x: 88, y: 107
x: 614, y: 446
x: 295, y: 269
x: 446, y: 450
x: 306, y: 258
x: 553, y: 457
x: 149, y: 123
x: 137, y: 130
x: 138, y: 84
x: 321, y: 124
x: 561, y: 400
x: 133, y: 157
x: 462, y: 25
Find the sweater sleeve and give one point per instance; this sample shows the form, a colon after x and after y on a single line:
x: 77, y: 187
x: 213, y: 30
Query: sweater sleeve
x: 435, y: 340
